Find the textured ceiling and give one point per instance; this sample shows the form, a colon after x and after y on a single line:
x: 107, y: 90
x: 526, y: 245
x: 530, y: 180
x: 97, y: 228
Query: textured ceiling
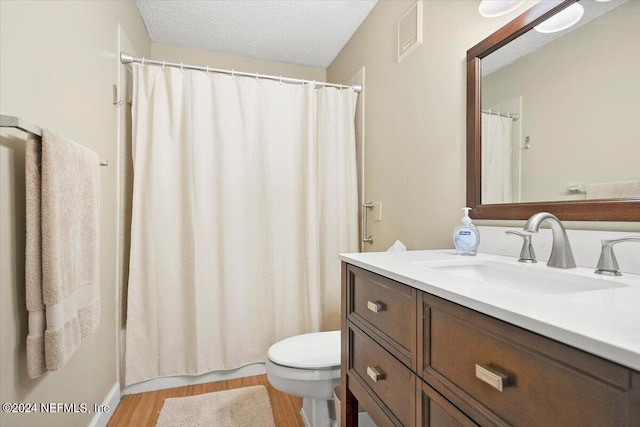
x: 304, y: 32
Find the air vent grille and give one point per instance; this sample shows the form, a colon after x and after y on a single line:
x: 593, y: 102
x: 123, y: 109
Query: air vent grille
x: 410, y: 30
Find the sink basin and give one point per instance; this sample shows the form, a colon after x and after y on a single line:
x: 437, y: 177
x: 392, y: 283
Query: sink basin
x: 527, y: 278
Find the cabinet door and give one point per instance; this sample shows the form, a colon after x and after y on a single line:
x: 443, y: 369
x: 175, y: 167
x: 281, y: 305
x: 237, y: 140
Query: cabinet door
x: 436, y: 411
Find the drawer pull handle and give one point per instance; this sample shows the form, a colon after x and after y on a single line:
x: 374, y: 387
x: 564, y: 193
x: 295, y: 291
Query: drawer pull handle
x: 492, y: 377
x: 375, y: 306
x: 375, y: 374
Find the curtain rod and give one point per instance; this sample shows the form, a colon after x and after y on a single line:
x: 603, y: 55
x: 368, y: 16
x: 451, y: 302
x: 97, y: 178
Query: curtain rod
x: 514, y: 116
x: 18, y: 123
x: 126, y: 58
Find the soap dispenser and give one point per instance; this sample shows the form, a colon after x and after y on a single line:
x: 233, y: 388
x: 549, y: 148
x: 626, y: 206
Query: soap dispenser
x: 466, y: 237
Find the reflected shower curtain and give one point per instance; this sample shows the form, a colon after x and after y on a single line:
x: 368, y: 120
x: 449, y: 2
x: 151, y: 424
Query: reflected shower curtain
x: 244, y: 193
x: 497, y: 164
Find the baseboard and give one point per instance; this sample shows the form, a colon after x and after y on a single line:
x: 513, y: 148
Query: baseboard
x: 171, y: 382
x: 110, y: 403
x: 305, y: 420
x: 364, y: 420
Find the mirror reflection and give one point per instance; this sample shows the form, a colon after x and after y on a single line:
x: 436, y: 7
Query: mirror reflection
x: 561, y: 111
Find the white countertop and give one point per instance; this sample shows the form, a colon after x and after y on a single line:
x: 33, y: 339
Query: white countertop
x: 601, y: 322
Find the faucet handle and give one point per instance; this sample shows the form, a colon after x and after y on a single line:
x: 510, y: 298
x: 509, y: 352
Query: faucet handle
x: 607, y: 264
x: 526, y: 253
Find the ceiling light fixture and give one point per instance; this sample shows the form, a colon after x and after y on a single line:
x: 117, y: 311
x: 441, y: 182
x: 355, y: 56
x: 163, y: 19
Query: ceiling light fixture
x: 493, y: 8
x: 562, y: 20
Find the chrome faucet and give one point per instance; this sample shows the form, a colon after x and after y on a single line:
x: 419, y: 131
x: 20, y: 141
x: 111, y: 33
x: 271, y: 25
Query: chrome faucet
x: 561, y: 255
x: 607, y: 264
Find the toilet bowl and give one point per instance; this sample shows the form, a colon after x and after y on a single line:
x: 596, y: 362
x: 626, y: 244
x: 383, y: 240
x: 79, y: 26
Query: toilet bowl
x: 308, y: 366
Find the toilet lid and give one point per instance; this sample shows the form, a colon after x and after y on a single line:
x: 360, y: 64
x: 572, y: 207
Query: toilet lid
x: 308, y: 351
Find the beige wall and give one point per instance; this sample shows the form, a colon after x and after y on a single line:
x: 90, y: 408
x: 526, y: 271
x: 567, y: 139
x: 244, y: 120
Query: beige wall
x: 415, y: 118
x: 186, y: 55
x: 58, y: 60
x: 581, y: 114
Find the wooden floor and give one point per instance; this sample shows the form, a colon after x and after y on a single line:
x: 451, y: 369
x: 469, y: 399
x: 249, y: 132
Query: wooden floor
x: 143, y: 409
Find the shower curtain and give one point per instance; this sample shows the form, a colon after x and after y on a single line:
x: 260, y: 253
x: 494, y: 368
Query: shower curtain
x: 244, y: 193
x: 497, y: 164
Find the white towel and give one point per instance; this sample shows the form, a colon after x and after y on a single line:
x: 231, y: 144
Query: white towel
x: 397, y: 246
x: 614, y: 190
x: 62, y: 292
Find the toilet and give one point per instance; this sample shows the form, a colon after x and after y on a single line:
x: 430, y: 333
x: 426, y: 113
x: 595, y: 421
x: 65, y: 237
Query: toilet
x: 308, y: 366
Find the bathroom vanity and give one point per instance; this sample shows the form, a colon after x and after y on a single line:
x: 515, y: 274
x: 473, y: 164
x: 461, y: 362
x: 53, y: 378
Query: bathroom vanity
x: 434, y: 339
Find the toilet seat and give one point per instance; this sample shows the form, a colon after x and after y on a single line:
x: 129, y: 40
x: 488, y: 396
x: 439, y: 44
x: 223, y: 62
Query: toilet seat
x: 319, y: 350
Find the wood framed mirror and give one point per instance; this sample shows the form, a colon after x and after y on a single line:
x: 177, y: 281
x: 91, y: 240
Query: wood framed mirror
x: 575, y: 208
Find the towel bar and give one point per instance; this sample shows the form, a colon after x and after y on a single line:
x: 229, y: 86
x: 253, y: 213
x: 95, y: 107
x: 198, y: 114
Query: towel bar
x: 18, y: 123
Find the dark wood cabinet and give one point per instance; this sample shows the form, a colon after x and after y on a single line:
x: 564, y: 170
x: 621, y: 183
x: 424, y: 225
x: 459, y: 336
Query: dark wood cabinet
x: 413, y: 359
x: 386, y: 310
x: 383, y: 376
x: 545, y: 383
x: 436, y: 411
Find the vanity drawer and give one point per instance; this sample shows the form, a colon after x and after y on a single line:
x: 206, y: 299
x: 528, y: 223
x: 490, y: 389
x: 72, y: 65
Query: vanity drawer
x: 384, y: 309
x: 382, y: 376
x: 465, y: 350
x: 436, y: 411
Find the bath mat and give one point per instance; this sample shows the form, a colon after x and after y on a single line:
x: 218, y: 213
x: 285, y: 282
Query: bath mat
x: 240, y: 407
